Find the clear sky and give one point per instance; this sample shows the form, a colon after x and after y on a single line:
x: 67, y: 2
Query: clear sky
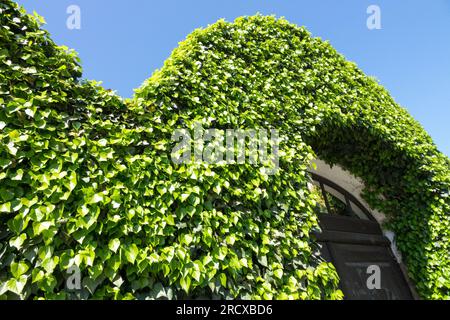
x: 121, y: 43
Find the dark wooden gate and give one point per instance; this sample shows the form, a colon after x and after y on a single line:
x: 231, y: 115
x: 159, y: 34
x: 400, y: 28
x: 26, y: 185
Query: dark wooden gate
x: 356, y: 246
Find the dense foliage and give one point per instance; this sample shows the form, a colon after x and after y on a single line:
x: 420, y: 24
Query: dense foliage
x: 87, y: 179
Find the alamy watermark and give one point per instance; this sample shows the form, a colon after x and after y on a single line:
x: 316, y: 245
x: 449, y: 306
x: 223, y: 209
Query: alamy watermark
x: 230, y: 146
x: 374, y: 20
x: 374, y: 280
x: 73, y: 281
x: 73, y: 21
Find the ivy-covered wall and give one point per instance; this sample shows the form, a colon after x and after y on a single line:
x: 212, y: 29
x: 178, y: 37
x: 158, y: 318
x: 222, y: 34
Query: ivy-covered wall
x: 86, y: 179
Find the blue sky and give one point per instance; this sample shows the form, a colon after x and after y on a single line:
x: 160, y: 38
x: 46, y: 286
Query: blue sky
x: 121, y: 43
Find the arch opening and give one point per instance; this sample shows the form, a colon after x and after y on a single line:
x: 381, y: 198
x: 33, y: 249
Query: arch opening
x: 354, y: 239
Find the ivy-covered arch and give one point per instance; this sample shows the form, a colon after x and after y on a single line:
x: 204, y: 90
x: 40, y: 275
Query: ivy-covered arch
x: 300, y: 84
x: 87, y: 179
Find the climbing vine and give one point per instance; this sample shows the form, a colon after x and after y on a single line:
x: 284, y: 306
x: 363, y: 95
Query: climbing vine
x: 87, y: 180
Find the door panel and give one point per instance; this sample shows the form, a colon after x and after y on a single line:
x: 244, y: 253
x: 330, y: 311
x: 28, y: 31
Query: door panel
x: 352, y: 262
x: 353, y: 241
x: 346, y: 224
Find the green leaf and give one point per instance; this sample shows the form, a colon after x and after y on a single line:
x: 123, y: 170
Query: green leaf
x: 50, y: 264
x: 223, y: 280
x: 114, y: 244
x: 5, y: 207
x: 187, y: 239
x: 40, y: 227
x: 185, y: 284
x: 96, y: 198
x: 217, y: 189
x: 170, y: 220
x: 131, y: 253
x: 278, y: 273
x: 18, y: 268
x: 231, y: 239
x: 16, y: 285
x: 65, y: 260
x: 96, y: 271
x: 18, y: 224
x: 37, y: 275
x: 158, y: 291
x: 263, y: 260
x: 18, y: 241
x: 72, y: 181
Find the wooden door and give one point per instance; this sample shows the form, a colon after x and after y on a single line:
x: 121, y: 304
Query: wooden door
x: 353, y: 251
x: 353, y: 241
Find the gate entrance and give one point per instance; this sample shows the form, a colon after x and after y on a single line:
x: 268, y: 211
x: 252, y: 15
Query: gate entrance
x: 353, y: 241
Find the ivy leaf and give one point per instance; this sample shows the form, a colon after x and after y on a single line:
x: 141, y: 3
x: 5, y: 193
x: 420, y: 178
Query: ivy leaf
x: 170, y: 220
x: 18, y: 241
x: 50, y: 264
x: 223, y: 280
x: 278, y: 273
x: 263, y: 261
x: 5, y: 207
x: 16, y: 285
x: 37, y: 275
x: 114, y: 244
x: 131, y: 253
x: 96, y: 198
x: 40, y: 227
x: 18, y: 269
x: 18, y: 224
x: 185, y: 284
x: 187, y: 239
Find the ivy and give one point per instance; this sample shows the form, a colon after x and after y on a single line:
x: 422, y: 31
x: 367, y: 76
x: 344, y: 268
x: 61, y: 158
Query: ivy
x: 87, y: 180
